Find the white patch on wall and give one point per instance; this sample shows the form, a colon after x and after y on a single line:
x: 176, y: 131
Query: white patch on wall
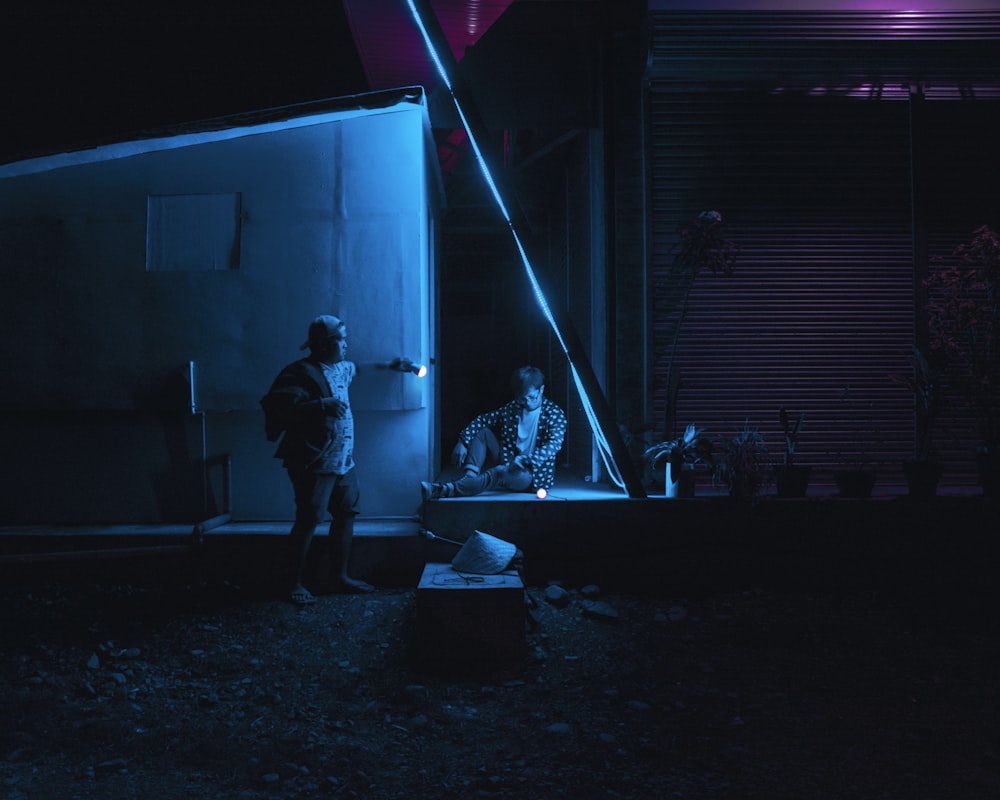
x: 186, y: 232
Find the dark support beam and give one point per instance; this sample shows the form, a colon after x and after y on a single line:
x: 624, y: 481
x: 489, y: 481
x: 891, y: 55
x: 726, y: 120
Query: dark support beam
x: 578, y: 357
x: 918, y: 216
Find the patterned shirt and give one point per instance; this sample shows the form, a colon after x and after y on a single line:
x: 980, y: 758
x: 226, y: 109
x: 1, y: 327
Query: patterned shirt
x: 339, y: 458
x: 548, y: 439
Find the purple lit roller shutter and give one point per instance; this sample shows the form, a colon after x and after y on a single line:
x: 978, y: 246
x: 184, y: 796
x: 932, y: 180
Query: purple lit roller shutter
x: 796, y: 128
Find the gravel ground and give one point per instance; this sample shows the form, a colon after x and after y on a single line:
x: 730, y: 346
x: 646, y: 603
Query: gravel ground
x: 114, y: 690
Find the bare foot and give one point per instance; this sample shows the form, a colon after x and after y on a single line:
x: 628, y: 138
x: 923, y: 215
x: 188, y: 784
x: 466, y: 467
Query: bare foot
x: 348, y: 585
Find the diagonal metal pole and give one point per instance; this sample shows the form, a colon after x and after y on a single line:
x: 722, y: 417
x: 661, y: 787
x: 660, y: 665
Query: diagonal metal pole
x: 468, y: 110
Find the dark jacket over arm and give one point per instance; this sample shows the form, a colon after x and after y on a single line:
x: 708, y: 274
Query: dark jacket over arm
x: 295, y: 412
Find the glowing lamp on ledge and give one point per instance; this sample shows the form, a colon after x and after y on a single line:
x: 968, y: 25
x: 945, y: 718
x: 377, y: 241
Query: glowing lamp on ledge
x: 407, y: 365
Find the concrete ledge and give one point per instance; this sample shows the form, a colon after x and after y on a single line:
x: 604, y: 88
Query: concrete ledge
x: 389, y: 552
x: 660, y: 545
x: 654, y: 546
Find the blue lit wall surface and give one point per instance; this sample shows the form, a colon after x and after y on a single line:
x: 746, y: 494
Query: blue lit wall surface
x: 333, y: 217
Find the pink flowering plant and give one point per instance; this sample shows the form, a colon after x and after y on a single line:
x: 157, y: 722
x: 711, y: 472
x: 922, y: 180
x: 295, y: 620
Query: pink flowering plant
x: 964, y: 323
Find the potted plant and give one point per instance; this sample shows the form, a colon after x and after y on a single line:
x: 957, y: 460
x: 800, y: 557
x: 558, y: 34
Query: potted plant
x: 637, y: 439
x: 677, y: 459
x: 963, y: 318
x: 741, y: 463
x: 923, y: 471
x: 791, y: 479
x: 702, y: 245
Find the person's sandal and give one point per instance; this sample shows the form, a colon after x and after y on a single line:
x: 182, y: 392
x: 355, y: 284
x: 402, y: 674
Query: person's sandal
x: 302, y: 597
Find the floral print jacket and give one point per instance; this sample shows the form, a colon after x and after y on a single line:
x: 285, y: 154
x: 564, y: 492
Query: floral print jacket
x: 549, y: 440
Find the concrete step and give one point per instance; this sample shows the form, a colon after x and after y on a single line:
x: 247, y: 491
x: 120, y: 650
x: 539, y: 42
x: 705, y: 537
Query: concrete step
x: 649, y: 545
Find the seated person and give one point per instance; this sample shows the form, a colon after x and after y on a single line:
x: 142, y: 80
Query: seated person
x: 511, y: 448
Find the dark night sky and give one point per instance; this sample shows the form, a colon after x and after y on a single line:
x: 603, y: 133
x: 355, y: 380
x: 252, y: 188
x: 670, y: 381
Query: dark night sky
x: 92, y: 71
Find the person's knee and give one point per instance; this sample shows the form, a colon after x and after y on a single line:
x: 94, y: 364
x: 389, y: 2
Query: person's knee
x: 484, y: 450
x: 342, y: 516
x: 484, y: 436
x: 352, y: 500
x: 307, y: 520
x: 346, y: 497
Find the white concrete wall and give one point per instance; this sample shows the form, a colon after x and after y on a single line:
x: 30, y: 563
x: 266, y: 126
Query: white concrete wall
x: 335, y: 219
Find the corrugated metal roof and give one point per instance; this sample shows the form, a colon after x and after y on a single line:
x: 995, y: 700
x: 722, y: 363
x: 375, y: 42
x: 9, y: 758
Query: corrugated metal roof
x: 220, y: 128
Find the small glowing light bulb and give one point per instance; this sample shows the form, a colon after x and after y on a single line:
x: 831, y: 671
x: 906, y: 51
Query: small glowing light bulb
x: 421, y: 371
x: 541, y: 494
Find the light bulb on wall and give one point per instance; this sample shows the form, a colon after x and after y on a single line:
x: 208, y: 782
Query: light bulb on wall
x: 407, y: 365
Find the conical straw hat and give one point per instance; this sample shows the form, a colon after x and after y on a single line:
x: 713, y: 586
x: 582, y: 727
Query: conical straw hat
x: 483, y: 554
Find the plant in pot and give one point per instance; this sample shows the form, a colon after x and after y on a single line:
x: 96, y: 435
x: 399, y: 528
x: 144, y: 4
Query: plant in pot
x: 677, y: 459
x: 702, y: 245
x: 791, y: 479
x: 963, y: 319
x: 742, y: 463
x: 637, y: 438
x: 923, y: 471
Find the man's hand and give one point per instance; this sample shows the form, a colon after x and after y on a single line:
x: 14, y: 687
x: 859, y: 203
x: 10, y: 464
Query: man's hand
x: 333, y: 407
x: 459, y: 453
x: 522, y: 462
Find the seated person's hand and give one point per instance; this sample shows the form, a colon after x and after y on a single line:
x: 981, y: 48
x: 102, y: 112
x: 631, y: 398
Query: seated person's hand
x: 521, y: 462
x: 459, y: 453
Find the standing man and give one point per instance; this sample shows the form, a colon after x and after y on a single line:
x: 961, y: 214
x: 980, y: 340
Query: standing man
x: 511, y: 448
x: 308, y: 403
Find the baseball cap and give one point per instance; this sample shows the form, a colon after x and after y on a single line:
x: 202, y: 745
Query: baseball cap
x: 321, y: 329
